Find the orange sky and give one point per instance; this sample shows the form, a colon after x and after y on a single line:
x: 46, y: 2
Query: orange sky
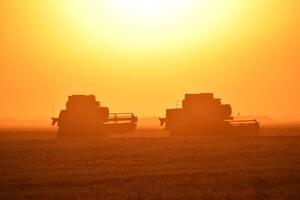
x: 143, y: 61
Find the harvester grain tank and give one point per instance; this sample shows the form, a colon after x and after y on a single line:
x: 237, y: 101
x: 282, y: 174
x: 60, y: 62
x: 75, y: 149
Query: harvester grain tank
x: 85, y: 117
x: 202, y: 114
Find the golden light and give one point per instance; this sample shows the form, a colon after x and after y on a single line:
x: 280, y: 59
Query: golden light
x: 150, y: 24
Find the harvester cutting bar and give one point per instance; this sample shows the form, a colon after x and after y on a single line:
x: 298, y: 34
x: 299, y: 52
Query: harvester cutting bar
x: 243, y: 122
x: 118, y: 117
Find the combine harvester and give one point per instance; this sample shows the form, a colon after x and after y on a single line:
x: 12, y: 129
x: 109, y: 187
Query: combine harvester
x: 84, y: 117
x: 202, y: 114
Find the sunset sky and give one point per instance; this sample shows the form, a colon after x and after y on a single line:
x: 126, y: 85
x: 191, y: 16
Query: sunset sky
x: 142, y: 56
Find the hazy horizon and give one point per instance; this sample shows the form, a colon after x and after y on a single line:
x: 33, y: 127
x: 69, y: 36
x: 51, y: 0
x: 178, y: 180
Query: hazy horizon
x: 143, y: 122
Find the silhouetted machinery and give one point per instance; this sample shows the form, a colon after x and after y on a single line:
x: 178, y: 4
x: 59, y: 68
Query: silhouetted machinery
x: 84, y: 117
x: 202, y: 114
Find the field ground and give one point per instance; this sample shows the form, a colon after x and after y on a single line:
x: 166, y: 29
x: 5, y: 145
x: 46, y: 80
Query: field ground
x: 35, y: 165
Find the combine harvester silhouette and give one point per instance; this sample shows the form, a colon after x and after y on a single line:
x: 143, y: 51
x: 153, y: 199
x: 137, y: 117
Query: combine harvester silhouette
x: 202, y: 114
x: 84, y: 117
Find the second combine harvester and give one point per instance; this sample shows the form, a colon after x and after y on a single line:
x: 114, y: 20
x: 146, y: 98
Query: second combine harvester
x: 202, y: 114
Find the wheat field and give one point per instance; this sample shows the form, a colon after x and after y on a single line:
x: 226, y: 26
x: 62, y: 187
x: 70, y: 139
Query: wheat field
x: 152, y: 166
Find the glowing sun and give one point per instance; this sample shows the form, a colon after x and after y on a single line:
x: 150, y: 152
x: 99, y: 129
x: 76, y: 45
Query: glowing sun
x: 148, y: 24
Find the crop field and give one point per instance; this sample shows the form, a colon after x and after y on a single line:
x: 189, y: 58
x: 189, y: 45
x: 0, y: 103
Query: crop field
x: 148, y: 165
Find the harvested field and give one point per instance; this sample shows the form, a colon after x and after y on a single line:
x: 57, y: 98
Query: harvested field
x: 149, y: 167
